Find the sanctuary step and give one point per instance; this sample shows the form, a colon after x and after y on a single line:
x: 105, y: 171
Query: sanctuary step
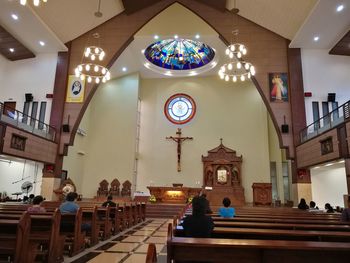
x: 161, y: 210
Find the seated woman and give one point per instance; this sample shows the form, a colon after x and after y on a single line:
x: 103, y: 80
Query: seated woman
x: 226, y: 211
x: 329, y: 208
x: 36, y: 208
x: 198, y: 224
x: 302, y: 205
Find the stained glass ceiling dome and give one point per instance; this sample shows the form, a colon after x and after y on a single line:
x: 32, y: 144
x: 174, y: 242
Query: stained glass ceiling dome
x: 179, y: 54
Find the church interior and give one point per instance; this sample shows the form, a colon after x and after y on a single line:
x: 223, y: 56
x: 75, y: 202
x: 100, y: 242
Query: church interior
x: 156, y: 102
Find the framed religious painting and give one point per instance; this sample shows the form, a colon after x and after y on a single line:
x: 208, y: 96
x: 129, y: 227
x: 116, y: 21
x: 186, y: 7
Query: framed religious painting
x: 278, y: 83
x: 221, y: 176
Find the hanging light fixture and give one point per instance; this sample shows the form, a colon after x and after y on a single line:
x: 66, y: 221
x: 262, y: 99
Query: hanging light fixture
x: 89, y: 69
x: 236, y: 68
x: 35, y: 2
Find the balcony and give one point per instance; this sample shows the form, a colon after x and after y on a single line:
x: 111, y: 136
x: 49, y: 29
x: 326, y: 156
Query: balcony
x: 24, y: 122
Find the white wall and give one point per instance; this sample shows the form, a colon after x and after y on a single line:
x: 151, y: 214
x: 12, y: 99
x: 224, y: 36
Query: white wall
x: 36, y: 76
x: 323, y: 74
x: 15, y: 171
x: 109, y: 146
x: 234, y: 112
x: 329, y: 185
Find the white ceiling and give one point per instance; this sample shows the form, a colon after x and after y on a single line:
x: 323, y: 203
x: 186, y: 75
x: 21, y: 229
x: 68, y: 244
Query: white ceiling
x: 59, y: 21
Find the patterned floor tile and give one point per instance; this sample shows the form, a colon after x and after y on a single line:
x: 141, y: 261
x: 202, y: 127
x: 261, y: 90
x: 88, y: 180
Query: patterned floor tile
x: 143, y: 233
x: 109, y: 257
x: 143, y: 248
x: 156, y: 240
x: 136, y: 258
x: 105, y: 246
x: 123, y: 247
x: 86, y: 257
x: 160, y: 234
x: 134, y: 239
x: 120, y: 238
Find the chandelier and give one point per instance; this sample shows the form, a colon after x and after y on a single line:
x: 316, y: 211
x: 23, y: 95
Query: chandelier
x: 89, y: 69
x: 35, y: 2
x: 236, y: 68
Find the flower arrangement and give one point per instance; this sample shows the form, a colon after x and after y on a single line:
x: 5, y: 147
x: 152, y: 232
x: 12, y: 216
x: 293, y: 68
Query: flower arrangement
x: 189, y: 200
x: 152, y: 199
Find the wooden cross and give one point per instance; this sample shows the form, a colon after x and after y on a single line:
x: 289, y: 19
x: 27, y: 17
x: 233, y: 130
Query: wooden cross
x: 179, y: 141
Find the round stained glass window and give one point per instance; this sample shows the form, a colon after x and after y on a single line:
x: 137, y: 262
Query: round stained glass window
x: 180, y: 108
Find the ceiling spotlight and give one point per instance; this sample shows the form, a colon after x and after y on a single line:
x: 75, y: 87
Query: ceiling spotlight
x: 340, y: 8
x: 197, y: 36
x: 124, y: 69
x: 14, y: 16
x: 142, y: 51
x: 42, y: 43
x: 156, y: 37
x: 12, y: 50
x: 176, y: 36
x: 316, y: 38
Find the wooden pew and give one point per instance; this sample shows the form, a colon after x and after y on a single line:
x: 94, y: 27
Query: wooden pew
x: 254, y: 251
x: 71, y: 228
x: 44, y: 235
x: 151, y: 253
x: 14, y: 239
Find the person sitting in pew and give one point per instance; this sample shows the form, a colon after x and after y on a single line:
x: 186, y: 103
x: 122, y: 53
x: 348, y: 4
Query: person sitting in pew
x: 302, y: 205
x: 345, y: 215
x: 36, y: 208
x: 226, y: 211
x: 313, y: 206
x: 70, y: 206
x: 329, y: 208
x: 198, y: 224
x: 109, y: 202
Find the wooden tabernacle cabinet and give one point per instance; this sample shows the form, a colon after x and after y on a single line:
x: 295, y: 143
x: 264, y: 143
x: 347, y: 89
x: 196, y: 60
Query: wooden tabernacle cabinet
x: 222, y: 173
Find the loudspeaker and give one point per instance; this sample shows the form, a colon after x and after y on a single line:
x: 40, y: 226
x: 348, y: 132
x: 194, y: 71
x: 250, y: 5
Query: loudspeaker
x: 285, y: 128
x: 331, y: 97
x: 65, y: 128
x: 29, y: 97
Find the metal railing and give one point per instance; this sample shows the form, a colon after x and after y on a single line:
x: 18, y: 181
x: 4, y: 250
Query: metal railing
x: 26, y: 123
x: 327, y: 122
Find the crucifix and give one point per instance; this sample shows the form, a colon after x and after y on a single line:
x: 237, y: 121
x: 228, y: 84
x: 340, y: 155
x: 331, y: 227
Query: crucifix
x: 179, y: 141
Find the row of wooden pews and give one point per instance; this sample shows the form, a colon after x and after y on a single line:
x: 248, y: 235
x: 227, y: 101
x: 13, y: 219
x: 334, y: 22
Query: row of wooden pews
x: 259, y: 234
x: 44, y: 237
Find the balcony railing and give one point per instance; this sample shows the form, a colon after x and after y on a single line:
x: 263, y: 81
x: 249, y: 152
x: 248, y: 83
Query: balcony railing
x: 27, y: 123
x: 327, y: 122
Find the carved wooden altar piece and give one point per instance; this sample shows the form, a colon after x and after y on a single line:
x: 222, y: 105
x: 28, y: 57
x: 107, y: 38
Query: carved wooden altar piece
x: 126, y: 190
x: 222, y: 172
x: 167, y: 194
x: 262, y: 194
x: 103, y: 189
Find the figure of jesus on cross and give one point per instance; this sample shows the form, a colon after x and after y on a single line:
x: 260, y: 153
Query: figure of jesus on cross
x: 179, y: 141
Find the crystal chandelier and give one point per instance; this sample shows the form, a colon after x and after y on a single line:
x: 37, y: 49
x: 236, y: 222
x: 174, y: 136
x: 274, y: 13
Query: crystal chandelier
x: 91, y: 71
x: 35, y: 2
x: 236, y: 68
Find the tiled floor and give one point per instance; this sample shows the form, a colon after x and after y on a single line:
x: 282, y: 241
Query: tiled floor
x: 130, y: 246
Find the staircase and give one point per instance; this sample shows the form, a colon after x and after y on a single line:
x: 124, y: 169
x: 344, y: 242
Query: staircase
x: 161, y: 210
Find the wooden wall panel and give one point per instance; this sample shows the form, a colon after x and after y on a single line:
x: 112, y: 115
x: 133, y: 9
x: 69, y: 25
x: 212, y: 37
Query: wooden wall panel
x: 309, y: 153
x: 36, y: 149
x: 267, y: 51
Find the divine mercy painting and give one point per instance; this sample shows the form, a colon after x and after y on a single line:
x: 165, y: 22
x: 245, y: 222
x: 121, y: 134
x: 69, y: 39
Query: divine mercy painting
x: 278, y: 83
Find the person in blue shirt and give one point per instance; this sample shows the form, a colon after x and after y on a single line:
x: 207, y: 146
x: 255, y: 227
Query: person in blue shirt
x: 226, y: 211
x: 69, y: 206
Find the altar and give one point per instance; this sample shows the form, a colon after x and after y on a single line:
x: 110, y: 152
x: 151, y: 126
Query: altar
x: 168, y: 194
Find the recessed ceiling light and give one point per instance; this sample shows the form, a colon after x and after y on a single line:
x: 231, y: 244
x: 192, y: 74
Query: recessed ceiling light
x: 168, y: 73
x: 14, y: 16
x: 342, y: 161
x: 12, y: 50
x: 156, y: 36
x: 42, y: 43
x: 197, y: 36
x: 317, y: 167
x: 340, y: 8
x: 329, y: 164
x: 316, y: 38
x: 124, y: 69
x: 176, y: 36
x: 142, y: 51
